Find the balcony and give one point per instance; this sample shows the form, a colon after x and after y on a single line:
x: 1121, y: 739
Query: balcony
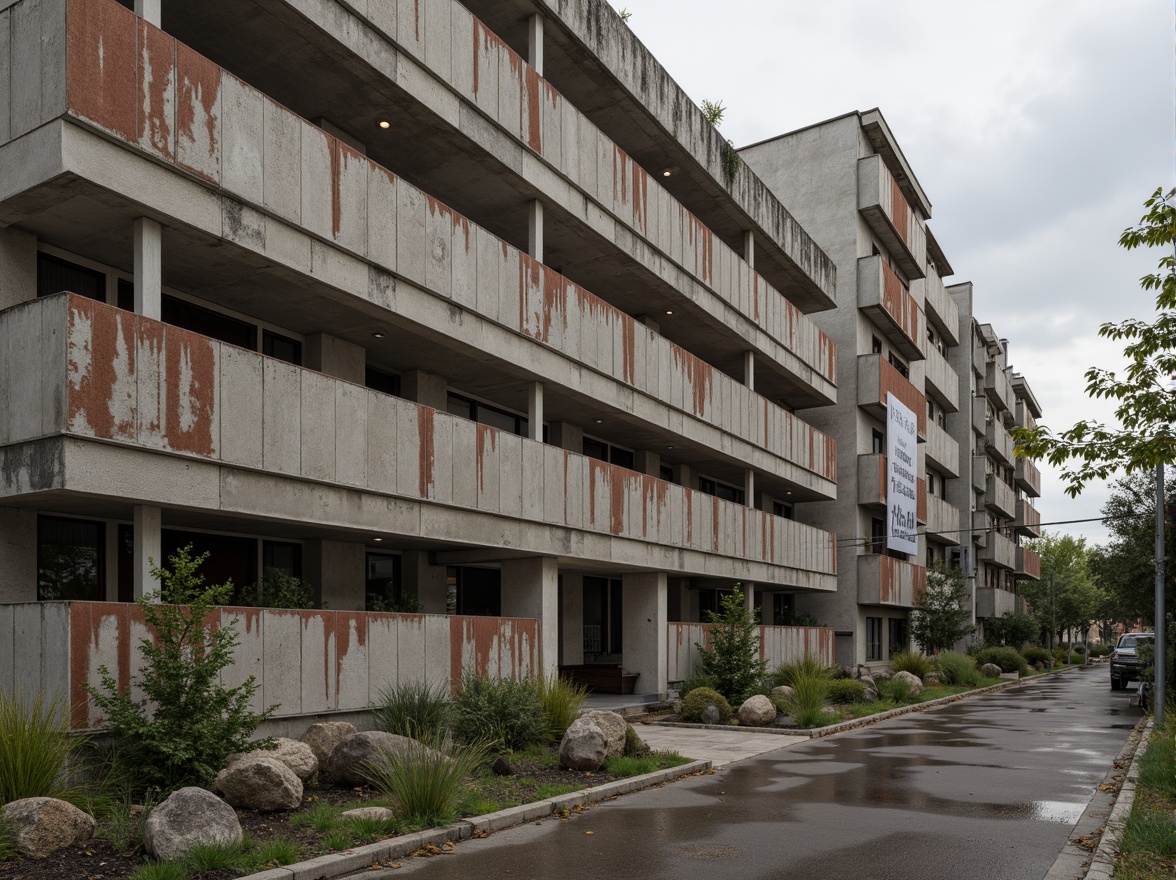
x: 1028, y: 565
x: 1028, y: 521
x: 1025, y: 416
x: 981, y: 527
x: 979, y: 473
x: 882, y: 296
x: 1028, y: 477
x: 939, y: 302
x: 994, y: 602
x: 997, y: 387
x: 942, y: 450
x: 884, y: 580
x: 871, y: 485
x: 999, y: 496
x: 998, y: 443
x: 943, y: 520
x: 883, y: 205
x: 941, y: 381
x: 876, y: 377
x: 252, y: 436
x: 979, y: 415
x: 1000, y: 551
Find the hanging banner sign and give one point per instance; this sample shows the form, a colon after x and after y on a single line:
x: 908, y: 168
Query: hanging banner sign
x: 902, y: 471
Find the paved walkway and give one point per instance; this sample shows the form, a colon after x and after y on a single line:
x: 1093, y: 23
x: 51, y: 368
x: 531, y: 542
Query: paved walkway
x: 720, y: 747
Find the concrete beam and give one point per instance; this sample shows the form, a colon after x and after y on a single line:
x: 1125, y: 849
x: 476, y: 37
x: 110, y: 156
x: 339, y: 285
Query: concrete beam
x: 148, y: 550
x: 643, y: 629
x: 530, y: 588
x: 148, y: 267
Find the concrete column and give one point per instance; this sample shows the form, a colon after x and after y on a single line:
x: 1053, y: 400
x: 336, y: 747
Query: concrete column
x: 535, y: 230
x: 530, y: 588
x: 425, y: 388
x: 749, y: 248
x: 748, y: 596
x: 148, y: 267
x: 647, y: 462
x: 749, y: 487
x: 151, y: 10
x: 572, y: 620
x: 650, y: 323
x: 18, y: 267
x: 427, y: 581
x: 148, y: 532
x: 18, y: 555
x: 535, y: 42
x: 684, y: 476
x: 643, y: 629
x: 535, y: 411
x: 336, y: 571
x: 566, y: 436
x: 335, y: 357
x: 749, y: 369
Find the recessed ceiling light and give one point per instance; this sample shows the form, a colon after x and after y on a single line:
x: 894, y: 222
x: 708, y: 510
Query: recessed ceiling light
x: 669, y: 447
x: 667, y: 173
x: 378, y: 335
x: 669, y: 311
x: 377, y: 540
x: 384, y: 123
x: 600, y: 421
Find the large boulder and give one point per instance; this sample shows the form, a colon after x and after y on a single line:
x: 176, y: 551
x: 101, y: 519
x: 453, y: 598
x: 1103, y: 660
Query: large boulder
x: 784, y: 692
x: 353, y: 757
x: 912, y: 680
x: 323, y: 736
x: 932, y: 679
x: 869, y: 684
x: 757, y: 711
x: 584, y: 746
x: 40, y: 826
x: 882, y: 675
x: 296, y: 755
x: 260, y: 783
x: 990, y: 670
x: 186, y: 818
x: 613, y: 726
x: 375, y: 814
x: 711, y: 715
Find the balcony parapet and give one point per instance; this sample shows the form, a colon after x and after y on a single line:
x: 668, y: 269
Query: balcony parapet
x: 998, y: 443
x: 1028, y: 520
x: 941, y: 381
x: 994, y: 602
x: 884, y: 580
x: 882, y: 296
x: 939, y: 303
x: 1028, y: 477
x: 876, y: 377
x: 942, y: 450
x: 882, y: 203
x: 943, y: 520
x: 1028, y: 565
x: 1000, y: 551
x: 999, y: 496
x: 997, y: 388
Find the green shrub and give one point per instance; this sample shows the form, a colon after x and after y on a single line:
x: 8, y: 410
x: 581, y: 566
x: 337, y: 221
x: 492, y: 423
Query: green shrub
x: 424, y: 781
x: 393, y: 602
x: 1034, y: 655
x: 194, y: 722
x: 1059, y: 655
x: 897, y: 690
x: 280, y: 589
x: 733, y: 657
x: 698, y: 699
x: 808, y: 706
x: 695, y: 682
x: 505, y: 711
x: 635, y: 746
x: 913, y: 662
x: 844, y: 691
x: 1008, y: 659
x: 560, y: 700
x: 1080, y: 650
x: 123, y: 826
x: 787, y: 673
x: 957, y: 669
x: 1011, y: 629
x: 161, y: 871
x: 37, y: 753
x: 414, y: 709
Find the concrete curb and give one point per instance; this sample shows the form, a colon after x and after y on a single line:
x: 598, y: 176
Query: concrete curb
x: 1076, y: 861
x: 1104, y: 860
x: 363, y: 857
x: 855, y: 723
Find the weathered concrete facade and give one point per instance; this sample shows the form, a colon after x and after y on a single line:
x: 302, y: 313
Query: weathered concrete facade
x: 353, y: 292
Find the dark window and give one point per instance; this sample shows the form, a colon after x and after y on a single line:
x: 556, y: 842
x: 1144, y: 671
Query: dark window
x: 595, y: 449
x: 621, y: 457
x: 603, y: 451
x: 875, y: 345
x: 71, y: 559
x: 230, y: 558
x: 180, y: 313
x: 603, y: 613
x: 877, y: 536
x: 281, y: 347
x: 383, y: 581
x: 126, y: 563
x: 781, y: 509
x: 479, y: 592
x: 460, y: 406
x: 873, y: 638
x: 720, y: 490
x: 126, y: 295
x: 898, y: 636
x: 485, y: 414
x: 55, y: 275
x: 377, y: 380
x: 900, y: 366
x: 666, y: 473
x: 282, y: 556
x: 878, y: 440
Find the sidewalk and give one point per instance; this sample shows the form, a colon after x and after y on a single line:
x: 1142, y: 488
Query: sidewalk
x: 720, y: 747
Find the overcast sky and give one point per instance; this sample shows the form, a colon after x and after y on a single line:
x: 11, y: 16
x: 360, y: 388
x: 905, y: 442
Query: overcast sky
x: 1036, y: 127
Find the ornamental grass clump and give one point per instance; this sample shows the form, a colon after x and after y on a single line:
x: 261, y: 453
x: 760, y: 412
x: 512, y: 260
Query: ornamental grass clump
x: 38, y: 756
x: 1008, y: 659
x: 844, y: 691
x: 506, y: 711
x: 958, y: 669
x: 808, y: 702
x: 1034, y: 655
x: 787, y: 673
x: 414, y: 709
x: 423, y: 781
x: 913, y: 662
x: 560, y: 701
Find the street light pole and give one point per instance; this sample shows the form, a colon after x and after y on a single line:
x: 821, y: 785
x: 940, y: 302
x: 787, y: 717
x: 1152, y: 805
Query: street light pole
x: 1161, y: 626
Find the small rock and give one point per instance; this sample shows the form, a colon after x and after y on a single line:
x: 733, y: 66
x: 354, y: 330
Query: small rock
x: 296, y: 755
x: 355, y: 754
x: 378, y: 814
x: 186, y: 818
x: 676, y: 707
x: 784, y: 691
x: 757, y: 711
x: 502, y: 767
x: 613, y: 727
x: 990, y: 670
x: 40, y: 826
x: 711, y: 714
x: 882, y: 675
x: 323, y: 736
x: 584, y: 746
x: 260, y: 784
x: 931, y: 679
x: 916, y: 686
x: 870, y: 695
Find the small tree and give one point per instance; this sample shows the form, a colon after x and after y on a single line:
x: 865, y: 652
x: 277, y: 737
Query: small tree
x: 942, y: 612
x: 188, y: 722
x: 1013, y: 628
x: 733, y: 658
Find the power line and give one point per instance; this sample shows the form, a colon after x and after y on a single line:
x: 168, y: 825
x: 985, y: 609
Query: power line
x: 861, y: 542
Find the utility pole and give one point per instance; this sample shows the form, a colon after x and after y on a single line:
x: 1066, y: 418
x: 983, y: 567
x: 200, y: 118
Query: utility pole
x: 1161, y: 626
x: 1052, y: 615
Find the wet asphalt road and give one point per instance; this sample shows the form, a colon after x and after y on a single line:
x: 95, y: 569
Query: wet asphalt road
x: 988, y: 787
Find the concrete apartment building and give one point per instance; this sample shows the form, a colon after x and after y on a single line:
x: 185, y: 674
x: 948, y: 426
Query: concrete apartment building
x: 900, y: 331
x: 445, y: 299
x: 997, y: 497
